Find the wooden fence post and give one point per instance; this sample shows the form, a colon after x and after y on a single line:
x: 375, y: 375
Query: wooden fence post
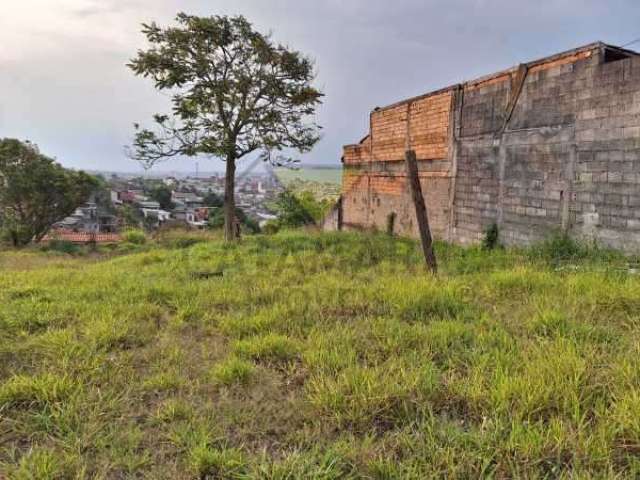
x: 421, y: 211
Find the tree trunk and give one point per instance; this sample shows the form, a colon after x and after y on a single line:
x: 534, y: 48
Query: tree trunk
x: 230, y: 201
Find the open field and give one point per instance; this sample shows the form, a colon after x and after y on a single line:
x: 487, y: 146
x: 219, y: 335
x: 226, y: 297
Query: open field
x: 319, y: 356
x: 320, y: 175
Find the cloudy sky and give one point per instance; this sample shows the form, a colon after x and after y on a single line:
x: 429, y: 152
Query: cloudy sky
x: 64, y: 84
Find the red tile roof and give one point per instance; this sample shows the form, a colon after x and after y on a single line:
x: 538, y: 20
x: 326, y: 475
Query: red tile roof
x: 82, y: 237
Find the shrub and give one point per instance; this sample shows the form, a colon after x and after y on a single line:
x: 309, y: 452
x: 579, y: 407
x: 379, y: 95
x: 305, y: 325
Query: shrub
x: 293, y: 211
x: 63, y: 246
x: 271, y: 227
x: 491, y: 237
x: 216, y: 220
x: 559, y: 247
x: 137, y: 237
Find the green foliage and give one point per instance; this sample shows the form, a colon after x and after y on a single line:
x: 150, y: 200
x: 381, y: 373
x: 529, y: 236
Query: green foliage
x: 63, y: 246
x: 208, y: 462
x: 216, y: 220
x: 40, y: 391
x: 162, y: 194
x: 560, y: 248
x: 174, y: 410
x: 294, y: 212
x: 179, y: 238
x: 315, y: 355
x: 36, y: 192
x: 40, y: 464
x: 234, y: 92
x: 230, y: 115
x: 212, y: 199
x: 391, y: 221
x: 131, y: 216
x: 491, y: 238
x: 137, y: 237
x: 233, y: 371
x: 271, y: 347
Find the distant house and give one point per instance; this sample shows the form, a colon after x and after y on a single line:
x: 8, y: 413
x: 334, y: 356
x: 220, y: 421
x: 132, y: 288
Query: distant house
x: 170, y: 181
x: 89, y: 219
x: 127, y: 196
x: 188, y: 199
x: 115, y: 197
x: 180, y: 213
x: 195, y: 219
x: 148, y: 205
x: 157, y: 213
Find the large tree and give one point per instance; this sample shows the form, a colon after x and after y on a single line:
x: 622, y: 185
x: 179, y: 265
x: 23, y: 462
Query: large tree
x: 234, y: 92
x: 36, y: 192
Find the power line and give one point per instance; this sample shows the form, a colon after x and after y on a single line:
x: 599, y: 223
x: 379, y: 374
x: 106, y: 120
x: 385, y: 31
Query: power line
x: 631, y: 43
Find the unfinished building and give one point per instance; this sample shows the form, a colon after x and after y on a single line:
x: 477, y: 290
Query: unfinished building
x: 546, y: 146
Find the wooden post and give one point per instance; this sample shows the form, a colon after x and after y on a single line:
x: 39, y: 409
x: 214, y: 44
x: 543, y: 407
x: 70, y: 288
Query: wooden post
x: 421, y: 210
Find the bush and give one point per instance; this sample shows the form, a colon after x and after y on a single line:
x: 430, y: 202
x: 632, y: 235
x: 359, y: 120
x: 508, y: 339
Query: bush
x: 271, y: 228
x: 491, y: 237
x: 137, y: 237
x: 63, y: 246
x: 216, y: 220
x: 560, y: 248
x: 292, y: 212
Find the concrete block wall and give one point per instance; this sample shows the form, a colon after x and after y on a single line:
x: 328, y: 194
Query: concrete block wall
x: 606, y: 207
x: 559, y: 151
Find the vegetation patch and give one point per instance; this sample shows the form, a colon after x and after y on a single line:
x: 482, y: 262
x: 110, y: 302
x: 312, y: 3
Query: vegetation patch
x: 318, y: 356
x: 35, y: 391
x: 233, y: 371
x: 270, y: 348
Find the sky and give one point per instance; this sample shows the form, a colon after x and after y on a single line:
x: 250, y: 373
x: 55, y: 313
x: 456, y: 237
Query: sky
x: 64, y: 84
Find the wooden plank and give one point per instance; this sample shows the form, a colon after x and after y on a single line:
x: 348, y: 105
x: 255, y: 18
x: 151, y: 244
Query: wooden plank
x: 421, y: 211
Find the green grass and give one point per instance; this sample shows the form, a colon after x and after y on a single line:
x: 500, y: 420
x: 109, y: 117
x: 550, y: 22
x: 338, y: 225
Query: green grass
x: 319, y: 356
x: 233, y: 371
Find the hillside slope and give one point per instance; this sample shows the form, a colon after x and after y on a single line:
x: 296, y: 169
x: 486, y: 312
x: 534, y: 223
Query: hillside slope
x: 319, y: 356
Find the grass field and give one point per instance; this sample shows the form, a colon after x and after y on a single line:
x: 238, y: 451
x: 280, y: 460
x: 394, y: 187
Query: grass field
x: 319, y: 356
x: 321, y: 175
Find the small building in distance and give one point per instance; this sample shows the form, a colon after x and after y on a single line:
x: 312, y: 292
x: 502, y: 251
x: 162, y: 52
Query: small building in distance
x: 548, y: 145
x: 89, y: 218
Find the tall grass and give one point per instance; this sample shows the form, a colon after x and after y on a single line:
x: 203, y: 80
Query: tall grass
x: 305, y: 355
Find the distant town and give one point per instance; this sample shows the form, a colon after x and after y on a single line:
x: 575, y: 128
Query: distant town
x: 133, y: 201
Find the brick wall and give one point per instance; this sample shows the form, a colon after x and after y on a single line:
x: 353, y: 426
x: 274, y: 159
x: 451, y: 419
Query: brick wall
x: 374, y: 178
